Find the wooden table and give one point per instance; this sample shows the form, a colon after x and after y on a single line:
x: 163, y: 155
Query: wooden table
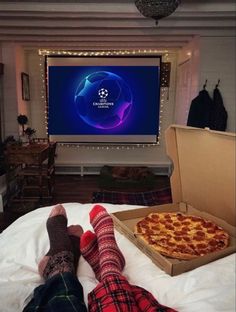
x: 28, y: 154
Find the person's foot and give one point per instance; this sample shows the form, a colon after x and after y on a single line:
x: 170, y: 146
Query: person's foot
x: 61, y: 256
x: 111, y: 259
x: 89, y: 250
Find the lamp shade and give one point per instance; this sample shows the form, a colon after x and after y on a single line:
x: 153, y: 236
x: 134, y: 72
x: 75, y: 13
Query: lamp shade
x: 156, y: 9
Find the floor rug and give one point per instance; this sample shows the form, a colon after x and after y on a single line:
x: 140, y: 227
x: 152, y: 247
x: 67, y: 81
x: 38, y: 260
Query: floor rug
x: 149, y: 198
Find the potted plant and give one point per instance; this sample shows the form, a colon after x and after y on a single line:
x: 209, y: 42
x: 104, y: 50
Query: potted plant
x: 22, y: 120
x: 29, y: 132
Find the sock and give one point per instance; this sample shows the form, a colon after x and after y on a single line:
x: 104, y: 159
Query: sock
x: 89, y: 250
x: 60, y: 257
x: 75, y: 232
x: 111, y: 259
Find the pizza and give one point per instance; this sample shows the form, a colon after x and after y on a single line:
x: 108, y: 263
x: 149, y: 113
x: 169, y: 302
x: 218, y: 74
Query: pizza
x: 181, y: 236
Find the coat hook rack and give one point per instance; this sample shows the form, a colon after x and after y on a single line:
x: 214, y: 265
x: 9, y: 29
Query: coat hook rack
x: 205, y: 84
x: 217, y: 85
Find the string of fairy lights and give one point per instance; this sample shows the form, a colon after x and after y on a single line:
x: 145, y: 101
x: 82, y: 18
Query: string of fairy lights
x: 43, y: 53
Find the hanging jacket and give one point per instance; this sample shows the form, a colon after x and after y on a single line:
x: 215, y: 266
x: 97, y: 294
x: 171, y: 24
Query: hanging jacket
x: 219, y: 116
x: 200, y: 110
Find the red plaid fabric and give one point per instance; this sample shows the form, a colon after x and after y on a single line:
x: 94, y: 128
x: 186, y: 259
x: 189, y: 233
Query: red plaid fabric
x: 149, y: 198
x: 115, y: 294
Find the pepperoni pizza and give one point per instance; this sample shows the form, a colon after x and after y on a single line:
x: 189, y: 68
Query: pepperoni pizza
x: 181, y: 236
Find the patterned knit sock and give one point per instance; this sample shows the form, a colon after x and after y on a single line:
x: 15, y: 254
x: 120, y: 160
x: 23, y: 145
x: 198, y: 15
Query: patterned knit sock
x: 75, y: 232
x: 60, y: 257
x: 111, y: 259
x: 89, y: 250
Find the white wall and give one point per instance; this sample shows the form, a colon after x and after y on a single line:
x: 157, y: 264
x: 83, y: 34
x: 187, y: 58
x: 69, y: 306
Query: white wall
x: 209, y: 58
x: 13, y: 58
x: 188, y: 71
x: 10, y: 106
x: 217, y: 61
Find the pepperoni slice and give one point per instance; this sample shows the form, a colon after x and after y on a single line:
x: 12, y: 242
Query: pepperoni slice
x: 177, y: 224
x: 169, y: 227
x: 201, y: 246
x: 149, y: 219
x: 181, y: 217
x: 220, y: 236
x: 185, y: 229
x: 220, y: 244
x: 207, y: 224
x: 198, y: 238
x: 156, y: 227
x: 170, y: 244
x: 145, y: 226
x: 195, y: 219
x: 155, y: 217
x: 178, y: 233
x: 178, y: 238
x: 212, y: 242
x: 200, y: 233
x: 151, y: 241
x: 186, y: 238
x: 163, y: 240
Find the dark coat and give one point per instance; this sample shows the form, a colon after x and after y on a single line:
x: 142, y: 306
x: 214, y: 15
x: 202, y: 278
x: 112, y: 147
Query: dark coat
x: 200, y: 110
x: 219, y: 116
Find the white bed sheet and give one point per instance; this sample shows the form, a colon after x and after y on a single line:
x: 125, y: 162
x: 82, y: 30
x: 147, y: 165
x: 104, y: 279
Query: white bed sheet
x: 208, y: 288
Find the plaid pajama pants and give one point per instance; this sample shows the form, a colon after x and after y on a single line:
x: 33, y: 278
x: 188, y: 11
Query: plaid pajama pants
x: 61, y: 293
x: 115, y: 294
x: 64, y: 293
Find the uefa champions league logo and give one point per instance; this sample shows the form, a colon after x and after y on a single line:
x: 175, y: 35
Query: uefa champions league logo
x: 103, y: 93
x: 103, y: 100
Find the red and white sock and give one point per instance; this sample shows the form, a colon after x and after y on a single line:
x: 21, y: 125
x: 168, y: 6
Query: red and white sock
x: 111, y: 259
x: 89, y: 250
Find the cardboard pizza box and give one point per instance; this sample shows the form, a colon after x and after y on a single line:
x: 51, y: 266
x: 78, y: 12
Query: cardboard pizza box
x: 202, y: 184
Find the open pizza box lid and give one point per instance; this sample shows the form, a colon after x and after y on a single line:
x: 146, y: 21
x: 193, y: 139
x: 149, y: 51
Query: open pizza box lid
x: 202, y: 183
x: 203, y: 169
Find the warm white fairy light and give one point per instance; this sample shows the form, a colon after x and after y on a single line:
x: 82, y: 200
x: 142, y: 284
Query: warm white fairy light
x: 44, y: 52
x: 43, y: 90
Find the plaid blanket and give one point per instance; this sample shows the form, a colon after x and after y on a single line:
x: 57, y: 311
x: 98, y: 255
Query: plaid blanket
x: 149, y: 198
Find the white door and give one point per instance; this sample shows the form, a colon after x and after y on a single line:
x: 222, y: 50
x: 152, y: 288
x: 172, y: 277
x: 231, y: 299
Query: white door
x: 183, y: 89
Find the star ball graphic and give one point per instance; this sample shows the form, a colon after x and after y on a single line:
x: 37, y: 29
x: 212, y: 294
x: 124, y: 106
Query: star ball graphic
x: 103, y: 93
x: 103, y: 100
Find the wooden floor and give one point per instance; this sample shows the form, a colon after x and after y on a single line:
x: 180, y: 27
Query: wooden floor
x: 68, y: 188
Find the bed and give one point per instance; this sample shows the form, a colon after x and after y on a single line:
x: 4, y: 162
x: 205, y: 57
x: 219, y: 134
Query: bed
x: 208, y: 288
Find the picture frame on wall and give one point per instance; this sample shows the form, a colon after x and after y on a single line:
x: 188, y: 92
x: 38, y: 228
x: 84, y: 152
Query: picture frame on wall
x: 25, y: 87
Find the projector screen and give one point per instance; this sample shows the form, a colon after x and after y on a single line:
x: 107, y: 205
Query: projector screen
x: 103, y: 99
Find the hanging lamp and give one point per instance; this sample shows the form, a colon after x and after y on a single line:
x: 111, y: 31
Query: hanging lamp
x: 157, y: 9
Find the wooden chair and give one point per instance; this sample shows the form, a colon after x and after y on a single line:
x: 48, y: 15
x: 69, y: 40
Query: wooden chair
x: 41, y: 177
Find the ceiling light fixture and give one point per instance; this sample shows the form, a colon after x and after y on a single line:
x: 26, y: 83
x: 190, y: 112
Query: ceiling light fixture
x: 157, y: 9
